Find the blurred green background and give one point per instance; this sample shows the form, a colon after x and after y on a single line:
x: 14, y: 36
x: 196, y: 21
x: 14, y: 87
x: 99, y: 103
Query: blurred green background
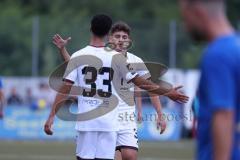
x: 27, y: 27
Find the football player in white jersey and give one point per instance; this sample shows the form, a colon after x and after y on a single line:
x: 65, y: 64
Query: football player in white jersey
x: 127, y: 141
x: 101, y: 79
x: 95, y: 74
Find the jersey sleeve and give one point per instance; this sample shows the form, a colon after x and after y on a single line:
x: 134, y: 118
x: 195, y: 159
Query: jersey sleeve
x: 141, y: 68
x: 70, y: 74
x: 119, y: 64
x: 218, y: 82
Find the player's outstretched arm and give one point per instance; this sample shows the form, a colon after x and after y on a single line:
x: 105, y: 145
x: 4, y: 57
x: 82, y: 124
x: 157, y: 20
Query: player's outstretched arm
x: 119, y: 63
x: 61, y: 43
x: 222, y: 133
x: 138, y: 99
x: 161, y: 124
x: 153, y: 88
x: 62, y: 95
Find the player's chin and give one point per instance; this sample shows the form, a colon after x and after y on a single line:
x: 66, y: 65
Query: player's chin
x: 49, y: 133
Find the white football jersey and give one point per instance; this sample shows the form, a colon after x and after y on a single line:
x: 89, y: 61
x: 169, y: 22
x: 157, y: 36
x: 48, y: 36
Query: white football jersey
x: 126, y: 111
x: 97, y: 70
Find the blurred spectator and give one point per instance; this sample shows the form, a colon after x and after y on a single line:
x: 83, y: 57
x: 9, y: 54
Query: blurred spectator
x: 45, y: 95
x: 1, y: 99
x: 29, y: 98
x: 14, y: 98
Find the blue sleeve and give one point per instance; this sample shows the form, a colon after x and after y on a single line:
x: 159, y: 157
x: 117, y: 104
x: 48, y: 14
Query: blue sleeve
x: 1, y: 85
x: 219, y: 82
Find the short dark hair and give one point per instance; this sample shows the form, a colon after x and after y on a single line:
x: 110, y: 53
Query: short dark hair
x: 120, y: 26
x: 100, y: 25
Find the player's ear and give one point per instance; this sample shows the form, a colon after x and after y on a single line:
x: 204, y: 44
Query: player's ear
x: 108, y: 37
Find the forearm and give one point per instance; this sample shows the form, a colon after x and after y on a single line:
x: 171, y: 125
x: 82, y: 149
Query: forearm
x: 156, y: 103
x: 139, y: 103
x: 64, y: 53
x: 56, y: 105
x: 138, y: 99
x: 59, y: 98
x: 222, y: 133
x: 151, y: 87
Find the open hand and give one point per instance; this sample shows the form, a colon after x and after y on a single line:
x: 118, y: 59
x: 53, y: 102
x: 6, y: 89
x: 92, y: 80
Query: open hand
x: 48, y: 126
x: 59, y: 41
x: 177, y: 96
x: 161, y: 124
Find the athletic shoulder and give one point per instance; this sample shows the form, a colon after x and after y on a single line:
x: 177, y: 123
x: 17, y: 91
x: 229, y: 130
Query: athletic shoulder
x: 113, y: 52
x: 80, y: 52
x: 132, y: 56
x: 224, y: 51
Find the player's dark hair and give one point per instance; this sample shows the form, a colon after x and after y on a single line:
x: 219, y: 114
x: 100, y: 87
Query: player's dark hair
x: 120, y: 26
x: 100, y: 25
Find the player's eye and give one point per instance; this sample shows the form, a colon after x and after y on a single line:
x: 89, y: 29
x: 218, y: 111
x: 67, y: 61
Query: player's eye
x: 117, y: 36
x: 125, y: 37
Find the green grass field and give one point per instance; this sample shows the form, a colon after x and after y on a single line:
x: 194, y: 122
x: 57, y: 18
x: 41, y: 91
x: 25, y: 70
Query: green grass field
x: 32, y: 150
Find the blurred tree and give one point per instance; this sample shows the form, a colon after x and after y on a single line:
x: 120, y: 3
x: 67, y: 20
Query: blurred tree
x: 149, y: 22
x: 233, y: 10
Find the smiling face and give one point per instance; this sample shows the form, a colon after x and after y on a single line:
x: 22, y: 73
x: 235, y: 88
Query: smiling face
x: 121, y: 40
x: 120, y: 37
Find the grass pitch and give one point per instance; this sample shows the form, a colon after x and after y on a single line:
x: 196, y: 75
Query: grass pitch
x: 52, y: 150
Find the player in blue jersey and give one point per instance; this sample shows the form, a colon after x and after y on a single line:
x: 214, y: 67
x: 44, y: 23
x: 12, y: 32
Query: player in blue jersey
x: 219, y: 88
x: 1, y: 99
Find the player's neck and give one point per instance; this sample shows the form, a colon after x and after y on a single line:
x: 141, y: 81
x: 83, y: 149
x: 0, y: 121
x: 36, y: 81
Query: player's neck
x: 219, y: 29
x: 124, y: 52
x: 97, y: 42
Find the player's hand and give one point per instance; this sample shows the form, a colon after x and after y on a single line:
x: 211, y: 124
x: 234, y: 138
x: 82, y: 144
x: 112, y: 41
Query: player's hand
x: 59, y: 41
x: 139, y: 117
x: 48, y: 126
x: 161, y: 124
x: 177, y: 96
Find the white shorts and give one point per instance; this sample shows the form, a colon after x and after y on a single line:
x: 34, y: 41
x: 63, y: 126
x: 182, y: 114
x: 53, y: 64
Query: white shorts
x: 127, y: 138
x: 92, y: 144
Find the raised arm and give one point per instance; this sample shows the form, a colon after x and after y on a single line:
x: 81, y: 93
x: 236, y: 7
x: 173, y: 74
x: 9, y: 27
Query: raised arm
x: 61, y: 43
